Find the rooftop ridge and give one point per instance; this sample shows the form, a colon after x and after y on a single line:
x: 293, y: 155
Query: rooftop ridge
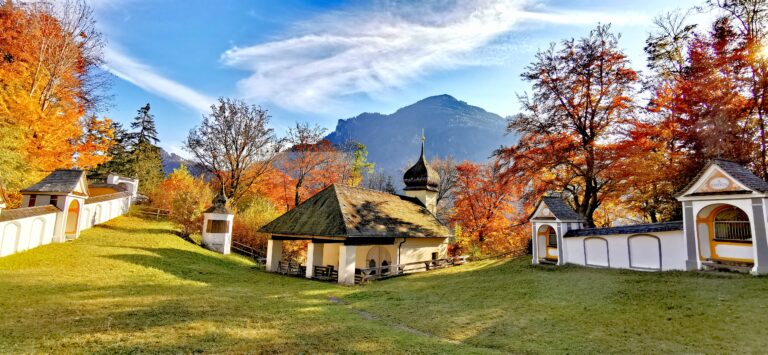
x: 634, y: 225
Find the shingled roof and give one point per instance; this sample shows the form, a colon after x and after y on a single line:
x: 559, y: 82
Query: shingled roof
x: 107, y: 197
x: 344, y: 211
x: 61, y: 181
x: 559, y: 209
x: 633, y: 229
x: 735, y: 170
x: 26, y: 212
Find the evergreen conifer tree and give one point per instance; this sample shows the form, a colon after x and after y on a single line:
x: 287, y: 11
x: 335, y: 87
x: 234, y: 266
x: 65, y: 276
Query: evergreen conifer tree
x: 120, y: 153
x: 145, y: 161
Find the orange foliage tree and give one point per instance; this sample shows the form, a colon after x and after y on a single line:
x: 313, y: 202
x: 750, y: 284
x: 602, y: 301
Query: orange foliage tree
x: 50, y: 57
x: 485, y: 216
x: 700, y: 108
x: 313, y: 163
x: 185, y: 196
x: 582, y: 94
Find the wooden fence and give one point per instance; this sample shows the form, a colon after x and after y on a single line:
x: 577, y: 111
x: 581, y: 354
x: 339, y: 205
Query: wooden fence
x: 247, y: 250
x: 149, y: 212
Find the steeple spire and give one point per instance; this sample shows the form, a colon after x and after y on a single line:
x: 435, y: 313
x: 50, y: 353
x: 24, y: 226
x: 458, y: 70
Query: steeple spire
x: 423, y: 138
x: 421, y: 176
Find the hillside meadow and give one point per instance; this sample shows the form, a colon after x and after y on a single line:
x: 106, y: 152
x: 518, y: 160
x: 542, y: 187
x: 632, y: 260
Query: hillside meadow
x: 132, y: 285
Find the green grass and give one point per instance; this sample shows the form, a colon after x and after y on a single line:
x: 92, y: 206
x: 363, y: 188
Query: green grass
x: 133, y: 286
x: 516, y: 307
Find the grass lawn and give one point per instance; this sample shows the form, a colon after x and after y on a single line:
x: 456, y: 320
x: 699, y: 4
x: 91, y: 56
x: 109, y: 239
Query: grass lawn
x: 133, y: 286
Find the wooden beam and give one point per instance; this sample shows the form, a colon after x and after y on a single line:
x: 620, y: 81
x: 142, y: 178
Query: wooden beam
x: 370, y: 241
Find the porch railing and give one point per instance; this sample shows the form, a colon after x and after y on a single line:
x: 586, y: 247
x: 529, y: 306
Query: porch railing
x: 377, y: 273
x: 739, y: 231
x: 291, y: 268
x: 330, y: 273
x: 326, y: 273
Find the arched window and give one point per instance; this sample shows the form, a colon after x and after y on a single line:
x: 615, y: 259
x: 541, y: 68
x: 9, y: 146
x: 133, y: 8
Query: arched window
x: 384, y: 267
x: 551, y: 235
x: 732, y: 224
x: 377, y: 257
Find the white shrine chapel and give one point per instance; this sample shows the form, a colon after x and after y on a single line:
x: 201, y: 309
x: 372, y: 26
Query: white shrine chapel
x: 354, y: 231
x: 723, y: 227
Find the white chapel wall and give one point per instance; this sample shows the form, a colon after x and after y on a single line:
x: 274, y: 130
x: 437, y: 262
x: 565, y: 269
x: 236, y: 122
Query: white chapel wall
x: 629, y: 251
x: 26, y: 233
x: 420, y: 249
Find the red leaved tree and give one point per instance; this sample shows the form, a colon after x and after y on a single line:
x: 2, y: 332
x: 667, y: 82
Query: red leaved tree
x: 582, y: 94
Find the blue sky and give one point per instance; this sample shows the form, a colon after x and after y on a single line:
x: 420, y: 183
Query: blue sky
x: 320, y: 61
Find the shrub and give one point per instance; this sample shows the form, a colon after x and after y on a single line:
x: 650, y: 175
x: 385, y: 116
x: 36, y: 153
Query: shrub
x: 256, y: 213
x: 186, y: 197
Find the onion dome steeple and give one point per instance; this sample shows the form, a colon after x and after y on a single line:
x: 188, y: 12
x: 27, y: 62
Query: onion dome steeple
x: 421, y: 176
x: 219, y: 204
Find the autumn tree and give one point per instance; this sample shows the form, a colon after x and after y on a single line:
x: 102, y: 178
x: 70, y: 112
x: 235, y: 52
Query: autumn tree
x: 95, y: 143
x: 234, y: 144
x: 485, y: 210
x: 446, y: 168
x: 360, y: 166
x: 51, y: 77
x: 748, y: 20
x: 250, y: 218
x: 582, y: 92
x: 186, y: 197
x: 308, y: 154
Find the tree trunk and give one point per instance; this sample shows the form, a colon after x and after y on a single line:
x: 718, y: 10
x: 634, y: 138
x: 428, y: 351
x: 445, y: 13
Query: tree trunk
x: 297, y: 199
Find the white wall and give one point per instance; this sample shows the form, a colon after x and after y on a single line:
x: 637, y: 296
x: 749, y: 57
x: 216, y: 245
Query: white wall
x: 628, y: 251
x: 420, y: 249
x: 26, y: 233
x: 219, y: 242
x: 331, y: 254
x: 100, y: 212
x: 413, y: 250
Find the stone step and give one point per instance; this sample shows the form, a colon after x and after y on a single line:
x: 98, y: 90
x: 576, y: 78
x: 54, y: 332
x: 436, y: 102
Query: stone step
x: 727, y: 266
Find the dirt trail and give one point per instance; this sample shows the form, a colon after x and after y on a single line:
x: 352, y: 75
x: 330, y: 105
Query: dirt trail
x: 399, y: 326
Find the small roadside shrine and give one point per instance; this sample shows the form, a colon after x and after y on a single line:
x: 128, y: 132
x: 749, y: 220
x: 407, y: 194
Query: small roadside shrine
x: 217, y: 226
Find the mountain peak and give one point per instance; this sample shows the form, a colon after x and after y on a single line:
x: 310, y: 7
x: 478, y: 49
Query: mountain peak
x: 440, y: 98
x: 454, y: 128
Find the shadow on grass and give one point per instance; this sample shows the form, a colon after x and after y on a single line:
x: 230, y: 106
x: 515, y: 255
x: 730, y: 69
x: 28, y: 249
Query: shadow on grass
x: 128, y: 229
x: 184, y: 264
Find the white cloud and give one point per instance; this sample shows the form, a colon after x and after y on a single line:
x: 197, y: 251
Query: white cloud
x: 143, y: 76
x: 372, y: 50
